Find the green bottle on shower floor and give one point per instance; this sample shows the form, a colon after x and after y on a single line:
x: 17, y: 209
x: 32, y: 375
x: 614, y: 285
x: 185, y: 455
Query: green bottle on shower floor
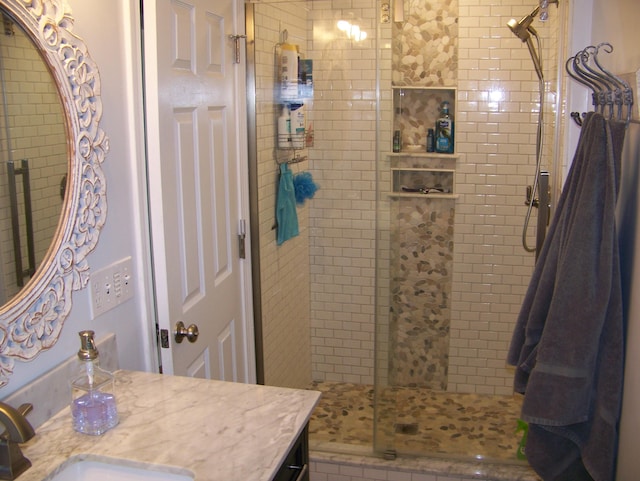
x: 524, y: 428
x: 444, y: 131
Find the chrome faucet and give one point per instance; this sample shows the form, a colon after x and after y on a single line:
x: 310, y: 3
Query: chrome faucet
x: 17, y: 430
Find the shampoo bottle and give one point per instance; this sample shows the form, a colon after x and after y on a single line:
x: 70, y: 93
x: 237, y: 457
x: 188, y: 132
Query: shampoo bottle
x: 288, y: 71
x: 444, y: 131
x: 284, y: 128
x: 297, y: 126
x: 93, y: 404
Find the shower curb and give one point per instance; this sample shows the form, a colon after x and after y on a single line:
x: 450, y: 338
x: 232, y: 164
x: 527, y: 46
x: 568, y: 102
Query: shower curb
x: 362, y: 462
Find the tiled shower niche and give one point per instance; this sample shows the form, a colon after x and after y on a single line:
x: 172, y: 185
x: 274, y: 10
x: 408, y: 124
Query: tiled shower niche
x: 420, y: 182
x: 416, y: 110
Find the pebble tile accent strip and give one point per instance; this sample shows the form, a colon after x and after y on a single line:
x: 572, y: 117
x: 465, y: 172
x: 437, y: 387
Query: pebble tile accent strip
x: 422, y: 240
x: 425, y: 47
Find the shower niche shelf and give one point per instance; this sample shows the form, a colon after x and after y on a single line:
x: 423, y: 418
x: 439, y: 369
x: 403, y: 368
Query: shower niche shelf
x: 424, y: 155
x: 422, y: 182
x: 415, y: 111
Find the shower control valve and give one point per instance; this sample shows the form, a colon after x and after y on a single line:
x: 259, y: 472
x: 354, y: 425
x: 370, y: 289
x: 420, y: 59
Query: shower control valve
x: 529, y: 201
x: 385, y: 13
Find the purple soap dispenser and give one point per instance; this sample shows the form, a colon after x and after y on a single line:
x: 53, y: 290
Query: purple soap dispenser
x: 93, y: 403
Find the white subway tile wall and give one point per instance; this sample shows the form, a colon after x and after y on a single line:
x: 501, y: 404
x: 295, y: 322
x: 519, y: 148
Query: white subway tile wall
x: 284, y: 270
x: 342, y: 217
x: 496, y: 120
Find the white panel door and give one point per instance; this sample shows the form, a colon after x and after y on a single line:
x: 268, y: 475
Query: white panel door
x: 196, y: 131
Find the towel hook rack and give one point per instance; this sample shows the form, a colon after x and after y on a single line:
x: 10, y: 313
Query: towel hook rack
x: 610, y: 94
x: 297, y: 158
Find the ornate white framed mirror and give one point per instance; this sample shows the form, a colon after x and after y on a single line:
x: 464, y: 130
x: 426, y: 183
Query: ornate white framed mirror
x: 31, y: 319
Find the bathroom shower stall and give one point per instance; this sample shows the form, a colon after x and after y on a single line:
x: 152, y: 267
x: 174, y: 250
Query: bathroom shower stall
x: 399, y: 295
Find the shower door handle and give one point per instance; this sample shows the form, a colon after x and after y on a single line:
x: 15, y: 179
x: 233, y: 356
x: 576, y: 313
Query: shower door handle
x: 544, y: 208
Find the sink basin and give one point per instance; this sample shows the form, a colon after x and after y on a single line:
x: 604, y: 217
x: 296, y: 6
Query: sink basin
x: 106, y: 469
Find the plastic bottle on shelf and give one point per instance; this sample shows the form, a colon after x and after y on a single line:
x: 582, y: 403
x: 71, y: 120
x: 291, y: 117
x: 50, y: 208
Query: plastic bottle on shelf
x: 288, y: 71
x: 297, y: 126
x: 397, y: 141
x: 430, y: 141
x: 284, y: 128
x: 444, y: 131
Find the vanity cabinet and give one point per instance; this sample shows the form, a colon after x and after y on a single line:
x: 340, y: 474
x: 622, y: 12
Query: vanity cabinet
x: 226, y: 431
x: 296, y: 465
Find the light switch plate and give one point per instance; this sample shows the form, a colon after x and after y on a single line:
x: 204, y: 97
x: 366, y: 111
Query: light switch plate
x: 111, y: 286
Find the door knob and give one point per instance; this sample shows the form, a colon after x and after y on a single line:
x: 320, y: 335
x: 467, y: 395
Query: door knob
x: 191, y: 332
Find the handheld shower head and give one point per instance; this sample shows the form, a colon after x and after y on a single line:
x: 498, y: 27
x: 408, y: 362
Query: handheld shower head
x: 522, y: 29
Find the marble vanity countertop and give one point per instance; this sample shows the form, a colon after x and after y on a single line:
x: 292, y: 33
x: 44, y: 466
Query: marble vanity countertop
x: 214, y: 430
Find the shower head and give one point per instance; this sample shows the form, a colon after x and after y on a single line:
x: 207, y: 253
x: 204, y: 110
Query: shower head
x: 522, y: 29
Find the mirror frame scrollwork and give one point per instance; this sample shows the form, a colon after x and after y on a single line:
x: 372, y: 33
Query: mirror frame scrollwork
x: 32, y: 321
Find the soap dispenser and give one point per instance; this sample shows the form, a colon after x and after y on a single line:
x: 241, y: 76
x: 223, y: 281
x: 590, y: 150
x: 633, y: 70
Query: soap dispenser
x: 93, y: 403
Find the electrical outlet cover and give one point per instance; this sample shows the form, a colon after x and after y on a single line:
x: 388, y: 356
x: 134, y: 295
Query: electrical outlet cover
x: 111, y: 286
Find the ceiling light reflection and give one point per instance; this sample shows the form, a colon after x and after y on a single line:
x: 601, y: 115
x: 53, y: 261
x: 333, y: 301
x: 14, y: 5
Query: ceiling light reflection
x: 353, y: 31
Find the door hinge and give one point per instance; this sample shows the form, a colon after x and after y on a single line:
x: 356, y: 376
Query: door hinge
x: 242, y: 235
x: 236, y: 46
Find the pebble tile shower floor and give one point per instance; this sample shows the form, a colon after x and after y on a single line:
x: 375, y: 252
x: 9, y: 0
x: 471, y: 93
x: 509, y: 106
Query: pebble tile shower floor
x: 418, y: 421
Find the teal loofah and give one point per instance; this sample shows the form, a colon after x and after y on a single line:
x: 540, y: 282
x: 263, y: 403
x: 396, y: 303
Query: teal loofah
x: 304, y: 187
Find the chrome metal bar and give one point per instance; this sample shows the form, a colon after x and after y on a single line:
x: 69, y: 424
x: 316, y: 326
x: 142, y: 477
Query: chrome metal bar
x: 15, y: 223
x: 12, y: 172
x: 28, y: 215
x: 544, y: 207
x: 254, y: 224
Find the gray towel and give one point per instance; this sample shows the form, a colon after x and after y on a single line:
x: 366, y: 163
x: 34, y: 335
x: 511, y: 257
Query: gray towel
x: 568, y: 344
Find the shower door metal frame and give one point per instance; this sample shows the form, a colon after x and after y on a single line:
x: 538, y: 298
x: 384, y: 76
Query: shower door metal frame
x: 13, y: 172
x: 254, y: 224
x: 544, y: 208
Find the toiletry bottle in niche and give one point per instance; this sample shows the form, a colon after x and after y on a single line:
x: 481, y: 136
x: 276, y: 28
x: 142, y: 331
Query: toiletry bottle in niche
x: 397, y: 141
x: 284, y: 128
x: 93, y: 403
x: 431, y: 138
x: 444, y: 131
